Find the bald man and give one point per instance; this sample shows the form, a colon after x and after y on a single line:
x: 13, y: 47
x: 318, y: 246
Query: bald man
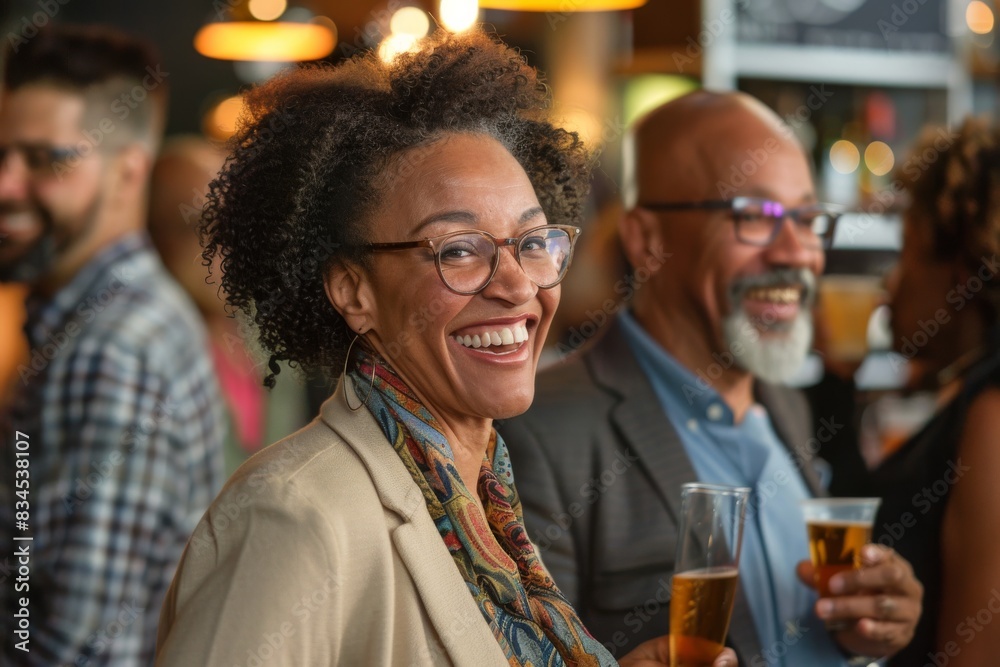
x: 725, y: 244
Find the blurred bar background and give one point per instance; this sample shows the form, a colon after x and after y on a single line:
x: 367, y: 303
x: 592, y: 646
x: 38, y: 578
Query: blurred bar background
x: 855, y: 79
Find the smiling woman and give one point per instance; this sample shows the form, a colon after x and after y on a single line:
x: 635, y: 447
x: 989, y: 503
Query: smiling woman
x: 407, y: 228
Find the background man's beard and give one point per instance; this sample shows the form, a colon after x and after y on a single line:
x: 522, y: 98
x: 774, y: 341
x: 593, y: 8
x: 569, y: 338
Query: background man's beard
x: 42, y: 256
x: 772, y: 357
x: 36, y: 261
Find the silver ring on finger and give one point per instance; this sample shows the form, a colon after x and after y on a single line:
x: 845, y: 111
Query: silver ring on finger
x: 885, y: 606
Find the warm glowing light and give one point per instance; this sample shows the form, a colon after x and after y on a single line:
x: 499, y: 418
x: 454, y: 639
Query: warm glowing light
x: 393, y: 45
x: 220, y: 121
x: 251, y: 40
x: 844, y: 156
x: 267, y: 10
x: 326, y: 22
x: 879, y: 158
x: 561, y: 5
x: 979, y: 17
x: 409, y: 21
x: 588, y: 125
x: 458, y: 15
x: 645, y: 92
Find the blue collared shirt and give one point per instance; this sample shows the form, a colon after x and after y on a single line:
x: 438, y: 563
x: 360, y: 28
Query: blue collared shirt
x: 748, y: 453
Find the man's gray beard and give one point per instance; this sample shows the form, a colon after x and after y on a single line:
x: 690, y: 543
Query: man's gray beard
x: 773, y: 356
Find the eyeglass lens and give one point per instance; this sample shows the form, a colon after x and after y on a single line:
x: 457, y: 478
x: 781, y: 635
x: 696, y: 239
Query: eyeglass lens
x: 467, y: 260
x: 759, y: 221
x: 39, y: 158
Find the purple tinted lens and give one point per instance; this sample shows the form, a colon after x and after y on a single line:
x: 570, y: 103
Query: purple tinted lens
x: 773, y: 209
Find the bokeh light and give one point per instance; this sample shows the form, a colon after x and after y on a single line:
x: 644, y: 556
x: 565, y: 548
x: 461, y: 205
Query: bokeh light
x: 220, y: 121
x: 410, y: 21
x: 879, y: 158
x: 979, y: 17
x: 267, y: 10
x: 393, y: 45
x: 458, y: 15
x: 844, y: 156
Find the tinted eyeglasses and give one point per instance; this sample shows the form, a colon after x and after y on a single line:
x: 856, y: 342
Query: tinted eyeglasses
x: 41, y: 159
x: 758, y: 221
x: 467, y: 260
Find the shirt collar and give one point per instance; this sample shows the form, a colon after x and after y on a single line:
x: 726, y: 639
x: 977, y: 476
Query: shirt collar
x: 47, y: 315
x: 693, y: 392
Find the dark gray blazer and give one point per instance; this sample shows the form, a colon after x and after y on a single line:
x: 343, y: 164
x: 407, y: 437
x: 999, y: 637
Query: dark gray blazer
x: 599, y: 467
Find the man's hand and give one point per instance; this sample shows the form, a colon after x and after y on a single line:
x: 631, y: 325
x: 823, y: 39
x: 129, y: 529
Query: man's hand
x: 879, y: 604
x: 656, y: 653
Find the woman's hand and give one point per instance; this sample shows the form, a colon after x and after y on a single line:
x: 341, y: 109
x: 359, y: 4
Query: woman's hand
x: 656, y: 653
x: 880, y: 604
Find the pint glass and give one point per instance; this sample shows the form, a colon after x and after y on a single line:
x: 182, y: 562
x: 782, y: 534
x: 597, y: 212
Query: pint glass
x: 706, y: 571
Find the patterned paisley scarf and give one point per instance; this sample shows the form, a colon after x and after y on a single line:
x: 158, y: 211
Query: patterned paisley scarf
x: 531, y: 620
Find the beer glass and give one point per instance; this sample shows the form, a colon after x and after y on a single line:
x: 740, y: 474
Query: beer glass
x: 838, y: 528
x: 846, y: 304
x: 706, y: 571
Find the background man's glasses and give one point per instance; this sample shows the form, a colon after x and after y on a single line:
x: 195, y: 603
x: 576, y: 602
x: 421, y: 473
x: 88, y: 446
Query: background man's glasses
x: 467, y: 260
x: 758, y: 221
x: 40, y: 159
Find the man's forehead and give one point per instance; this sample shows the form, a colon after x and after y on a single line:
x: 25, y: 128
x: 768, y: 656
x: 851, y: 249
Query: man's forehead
x: 764, y: 191
x: 41, y: 113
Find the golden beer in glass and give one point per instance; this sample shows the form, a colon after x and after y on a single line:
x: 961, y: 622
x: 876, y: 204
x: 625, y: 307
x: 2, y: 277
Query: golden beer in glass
x: 700, y: 608
x: 846, y: 304
x: 835, y: 546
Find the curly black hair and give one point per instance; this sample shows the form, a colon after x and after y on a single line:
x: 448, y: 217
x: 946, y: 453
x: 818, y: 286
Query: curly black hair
x: 953, y: 180
x: 313, y: 153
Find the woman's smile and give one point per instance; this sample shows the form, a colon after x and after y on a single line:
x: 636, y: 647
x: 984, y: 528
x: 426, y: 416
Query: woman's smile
x: 498, y: 339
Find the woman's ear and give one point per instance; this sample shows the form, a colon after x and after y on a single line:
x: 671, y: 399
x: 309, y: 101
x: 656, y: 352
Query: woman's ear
x: 349, y: 290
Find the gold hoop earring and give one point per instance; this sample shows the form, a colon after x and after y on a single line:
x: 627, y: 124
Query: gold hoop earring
x: 371, y: 386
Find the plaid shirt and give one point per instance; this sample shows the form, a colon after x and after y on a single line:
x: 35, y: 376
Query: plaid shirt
x: 125, y: 427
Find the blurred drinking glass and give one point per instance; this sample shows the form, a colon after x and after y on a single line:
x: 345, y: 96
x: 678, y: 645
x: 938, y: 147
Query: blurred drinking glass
x: 838, y: 528
x: 706, y: 572
x: 846, y: 304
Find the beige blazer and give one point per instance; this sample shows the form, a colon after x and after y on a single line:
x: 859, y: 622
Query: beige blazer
x: 320, y: 551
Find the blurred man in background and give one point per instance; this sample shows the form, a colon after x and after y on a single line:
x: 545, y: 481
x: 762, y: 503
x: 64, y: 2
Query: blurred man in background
x: 726, y: 245
x: 116, y: 407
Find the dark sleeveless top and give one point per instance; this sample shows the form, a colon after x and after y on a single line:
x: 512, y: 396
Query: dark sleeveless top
x: 916, y: 482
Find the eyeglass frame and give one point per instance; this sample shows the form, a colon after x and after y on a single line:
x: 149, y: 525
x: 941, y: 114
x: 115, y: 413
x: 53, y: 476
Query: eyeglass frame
x: 572, y: 231
x: 826, y: 239
x: 53, y: 155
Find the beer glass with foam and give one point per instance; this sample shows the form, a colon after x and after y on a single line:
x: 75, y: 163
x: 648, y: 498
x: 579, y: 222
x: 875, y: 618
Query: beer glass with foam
x: 706, y: 571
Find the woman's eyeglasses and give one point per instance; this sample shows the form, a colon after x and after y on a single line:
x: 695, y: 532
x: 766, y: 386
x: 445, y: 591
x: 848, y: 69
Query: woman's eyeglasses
x: 758, y: 221
x: 467, y: 260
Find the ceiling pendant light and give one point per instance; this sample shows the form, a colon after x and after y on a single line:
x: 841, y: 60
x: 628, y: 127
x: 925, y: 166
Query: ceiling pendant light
x: 568, y: 6
x: 252, y: 33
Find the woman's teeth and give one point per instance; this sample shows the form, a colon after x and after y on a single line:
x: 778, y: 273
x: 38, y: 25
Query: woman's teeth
x: 506, y: 336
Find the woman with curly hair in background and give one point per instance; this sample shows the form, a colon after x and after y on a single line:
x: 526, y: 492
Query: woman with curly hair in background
x: 941, y: 510
x: 407, y: 223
